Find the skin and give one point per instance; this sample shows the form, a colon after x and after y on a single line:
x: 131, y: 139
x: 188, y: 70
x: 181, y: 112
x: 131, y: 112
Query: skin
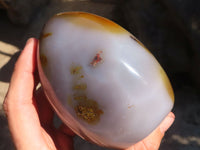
x: 30, y: 116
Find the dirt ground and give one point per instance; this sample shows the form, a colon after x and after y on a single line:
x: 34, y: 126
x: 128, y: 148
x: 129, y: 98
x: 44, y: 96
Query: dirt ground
x: 183, y: 135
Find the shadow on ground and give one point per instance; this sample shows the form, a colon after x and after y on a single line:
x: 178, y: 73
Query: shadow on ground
x: 5, y: 138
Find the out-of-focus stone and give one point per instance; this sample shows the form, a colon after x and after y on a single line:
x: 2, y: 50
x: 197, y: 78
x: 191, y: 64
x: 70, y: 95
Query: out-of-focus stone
x: 3, y: 4
x: 185, y: 131
x: 21, y: 11
x: 107, y: 1
x: 152, y: 24
x: 57, y: 6
x: 186, y: 14
x: 101, y: 1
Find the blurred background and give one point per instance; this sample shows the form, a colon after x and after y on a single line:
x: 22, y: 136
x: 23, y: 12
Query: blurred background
x: 170, y: 29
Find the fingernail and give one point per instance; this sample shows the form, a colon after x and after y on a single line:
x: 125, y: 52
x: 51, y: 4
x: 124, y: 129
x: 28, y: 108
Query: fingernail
x: 167, y: 122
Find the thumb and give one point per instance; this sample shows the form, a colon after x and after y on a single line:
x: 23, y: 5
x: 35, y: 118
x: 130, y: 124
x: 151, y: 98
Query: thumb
x: 152, y: 142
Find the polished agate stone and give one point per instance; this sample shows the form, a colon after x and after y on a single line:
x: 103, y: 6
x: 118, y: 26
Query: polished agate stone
x: 102, y: 82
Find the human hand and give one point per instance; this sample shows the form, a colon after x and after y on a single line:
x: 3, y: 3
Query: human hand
x: 30, y: 116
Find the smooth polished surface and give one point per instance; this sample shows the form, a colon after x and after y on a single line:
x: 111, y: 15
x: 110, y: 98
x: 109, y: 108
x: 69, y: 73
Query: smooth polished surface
x: 103, y: 83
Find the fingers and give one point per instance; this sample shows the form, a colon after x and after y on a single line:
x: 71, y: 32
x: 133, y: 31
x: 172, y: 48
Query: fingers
x: 66, y: 130
x: 152, y: 142
x: 167, y: 122
x: 45, y: 110
x: 63, y: 141
x: 46, y: 114
x: 19, y: 104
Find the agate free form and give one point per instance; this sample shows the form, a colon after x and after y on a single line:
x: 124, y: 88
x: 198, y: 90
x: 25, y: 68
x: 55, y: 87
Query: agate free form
x: 102, y: 82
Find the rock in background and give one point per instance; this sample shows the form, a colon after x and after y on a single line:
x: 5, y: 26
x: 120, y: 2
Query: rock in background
x: 186, y: 15
x: 170, y: 29
x: 21, y: 11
